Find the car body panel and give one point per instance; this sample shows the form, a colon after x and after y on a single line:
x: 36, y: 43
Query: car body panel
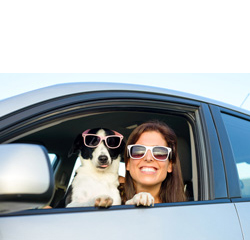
x: 211, y: 221
x: 243, y: 209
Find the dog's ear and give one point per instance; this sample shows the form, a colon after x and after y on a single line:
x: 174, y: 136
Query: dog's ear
x: 77, y: 145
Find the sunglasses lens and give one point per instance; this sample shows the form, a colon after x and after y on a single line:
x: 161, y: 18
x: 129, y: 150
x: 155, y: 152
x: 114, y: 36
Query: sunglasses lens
x: 113, y: 141
x: 137, y: 151
x: 92, y: 141
x: 160, y: 153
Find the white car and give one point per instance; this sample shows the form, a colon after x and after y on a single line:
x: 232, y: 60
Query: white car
x: 213, y: 145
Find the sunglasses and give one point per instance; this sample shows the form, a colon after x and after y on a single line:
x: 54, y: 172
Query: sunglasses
x: 93, y: 140
x: 160, y: 153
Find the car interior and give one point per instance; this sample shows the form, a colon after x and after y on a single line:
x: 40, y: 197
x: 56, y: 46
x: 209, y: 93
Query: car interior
x: 58, y: 135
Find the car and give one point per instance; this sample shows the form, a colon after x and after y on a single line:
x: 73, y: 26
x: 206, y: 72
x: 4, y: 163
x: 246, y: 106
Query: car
x: 38, y: 128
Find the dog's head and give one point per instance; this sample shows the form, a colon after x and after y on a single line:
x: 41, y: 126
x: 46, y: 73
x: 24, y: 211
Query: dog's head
x: 97, y: 146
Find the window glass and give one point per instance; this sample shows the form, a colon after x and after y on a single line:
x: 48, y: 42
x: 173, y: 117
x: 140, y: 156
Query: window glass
x: 239, y: 134
x: 52, y: 158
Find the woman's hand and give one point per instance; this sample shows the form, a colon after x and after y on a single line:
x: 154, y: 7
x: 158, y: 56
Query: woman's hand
x: 142, y: 198
x: 47, y: 207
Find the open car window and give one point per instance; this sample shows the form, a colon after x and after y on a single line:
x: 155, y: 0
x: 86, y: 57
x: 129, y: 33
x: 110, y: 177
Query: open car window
x: 123, y: 122
x: 57, y: 129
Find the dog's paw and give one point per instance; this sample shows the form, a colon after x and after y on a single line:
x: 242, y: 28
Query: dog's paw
x: 142, y: 198
x: 103, y: 201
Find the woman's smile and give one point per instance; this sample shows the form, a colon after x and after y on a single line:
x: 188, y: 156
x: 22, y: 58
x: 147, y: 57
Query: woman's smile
x: 148, y: 170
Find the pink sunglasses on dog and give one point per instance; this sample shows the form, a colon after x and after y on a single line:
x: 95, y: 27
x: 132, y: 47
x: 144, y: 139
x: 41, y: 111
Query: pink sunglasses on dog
x: 93, y: 140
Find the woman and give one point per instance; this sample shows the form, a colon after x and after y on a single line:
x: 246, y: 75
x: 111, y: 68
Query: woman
x: 153, y: 173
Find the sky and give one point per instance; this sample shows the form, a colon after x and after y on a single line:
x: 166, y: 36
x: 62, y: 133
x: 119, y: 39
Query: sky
x: 233, y: 89
x: 133, y: 36
x: 199, y: 47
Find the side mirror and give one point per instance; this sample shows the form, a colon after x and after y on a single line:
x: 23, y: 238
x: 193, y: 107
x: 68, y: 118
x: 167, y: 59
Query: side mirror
x: 26, y: 177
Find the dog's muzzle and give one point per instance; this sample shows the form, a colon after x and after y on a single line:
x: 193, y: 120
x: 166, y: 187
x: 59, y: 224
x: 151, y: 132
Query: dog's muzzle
x: 103, y: 161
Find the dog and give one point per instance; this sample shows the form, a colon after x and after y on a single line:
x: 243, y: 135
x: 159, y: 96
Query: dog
x: 96, y: 180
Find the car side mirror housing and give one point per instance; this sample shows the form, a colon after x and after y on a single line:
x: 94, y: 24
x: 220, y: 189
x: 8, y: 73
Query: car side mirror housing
x: 26, y: 177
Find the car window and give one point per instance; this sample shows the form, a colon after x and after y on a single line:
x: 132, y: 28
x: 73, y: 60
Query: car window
x: 239, y: 134
x: 123, y: 120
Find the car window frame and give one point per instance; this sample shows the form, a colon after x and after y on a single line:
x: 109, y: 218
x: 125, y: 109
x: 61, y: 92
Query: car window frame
x: 212, y: 147
x: 234, y: 191
x: 204, y: 128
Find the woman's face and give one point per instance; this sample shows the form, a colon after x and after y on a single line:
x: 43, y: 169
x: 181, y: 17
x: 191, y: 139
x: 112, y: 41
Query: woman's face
x: 147, y: 172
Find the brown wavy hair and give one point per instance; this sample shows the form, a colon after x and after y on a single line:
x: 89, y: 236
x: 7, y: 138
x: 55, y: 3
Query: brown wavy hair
x: 172, y: 188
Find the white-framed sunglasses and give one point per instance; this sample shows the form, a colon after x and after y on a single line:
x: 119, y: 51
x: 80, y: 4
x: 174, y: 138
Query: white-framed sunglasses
x: 137, y: 151
x: 93, y: 140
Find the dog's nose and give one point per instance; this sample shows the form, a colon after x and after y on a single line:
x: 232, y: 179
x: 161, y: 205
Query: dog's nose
x: 103, y: 159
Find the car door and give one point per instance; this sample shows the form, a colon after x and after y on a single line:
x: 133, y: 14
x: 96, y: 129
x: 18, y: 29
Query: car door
x: 213, y: 220
x: 210, y: 215
x: 234, y: 131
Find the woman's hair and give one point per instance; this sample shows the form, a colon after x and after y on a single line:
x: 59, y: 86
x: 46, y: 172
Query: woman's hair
x: 172, y: 188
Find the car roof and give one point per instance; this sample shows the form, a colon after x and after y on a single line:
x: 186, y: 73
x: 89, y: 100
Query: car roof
x: 18, y: 102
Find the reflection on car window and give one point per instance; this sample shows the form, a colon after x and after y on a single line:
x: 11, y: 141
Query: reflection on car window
x: 52, y: 158
x: 239, y: 134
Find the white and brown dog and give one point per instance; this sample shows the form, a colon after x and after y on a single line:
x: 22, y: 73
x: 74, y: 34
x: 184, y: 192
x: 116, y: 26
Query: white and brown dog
x: 96, y: 181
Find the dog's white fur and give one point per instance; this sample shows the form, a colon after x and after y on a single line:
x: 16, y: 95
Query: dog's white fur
x: 92, y: 183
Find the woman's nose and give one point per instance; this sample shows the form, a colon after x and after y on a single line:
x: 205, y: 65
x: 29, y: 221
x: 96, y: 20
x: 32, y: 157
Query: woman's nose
x: 148, y: 157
